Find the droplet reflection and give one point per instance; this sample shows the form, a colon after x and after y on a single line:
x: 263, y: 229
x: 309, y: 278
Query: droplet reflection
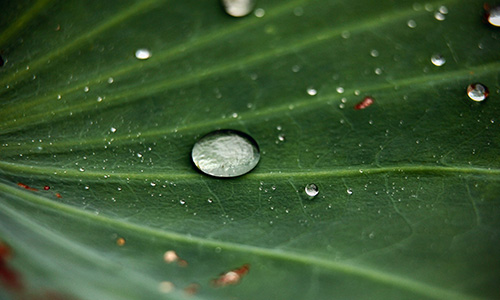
x: 226, y: 153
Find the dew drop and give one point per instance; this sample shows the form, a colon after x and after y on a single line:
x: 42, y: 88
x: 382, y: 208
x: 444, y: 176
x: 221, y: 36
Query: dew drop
x: 438, y: 60
x: 86, y: 89
x: 113, y: 130
x: 226, y: 153
x: 477, y: 92
x: 311, y: 190
x: 443, y: 9
x: 493, y: 16
x: 349, y: 191
x: 82, y: 170
x: 374, y: 53
x: 238, y: 8
x: 439, y: 16
x: 311, y: 92
x: 340, y: 90
x: 411, y: 23
x: 259, y: 12
x: 142, y: 53
x: 298, y: 11
x: 110, y: 80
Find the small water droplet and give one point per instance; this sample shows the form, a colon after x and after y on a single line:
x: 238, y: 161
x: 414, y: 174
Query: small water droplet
x: 340, y: 90
x: 374, y: 53
x: 295, y: 68
x: 439, y: 16
x: 153, y: 184
x: 110, y: 80
x: 438, y: 60
x: 345, y: 34
x: 113, y: 130
x: 226, y: 153
x: 238, y: 8
x: 59, y: 97
x: 311, y: 190
x: 142, y: 53
x: 477, y: 92
x: 281, y: 137
x: 349, y: 191
x: 443, y: 9
x: 86, y: 89
x: 378, y: 71
x: 182, y: 202
x: 82, y: 170
x: 99, y: 99
x: 259, y: 12
x: 493, y: 16
x: 298, y: 11
x: 311, y: 92
x: 411, y: 23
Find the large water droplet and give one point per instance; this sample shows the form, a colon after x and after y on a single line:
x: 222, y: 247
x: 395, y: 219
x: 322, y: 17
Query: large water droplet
x: 311, y: 190
x: 142, y: 53
x: 226, y: 153
x: 238, y: 8
x: 438, y: 60
x: 477, y: 92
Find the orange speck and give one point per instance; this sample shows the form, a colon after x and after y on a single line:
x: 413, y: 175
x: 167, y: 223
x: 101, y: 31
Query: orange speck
x: 120, y: 241
x: 192, y: 289
x: 182, y: 263
x: 58, y: 195
x: 232, y: 277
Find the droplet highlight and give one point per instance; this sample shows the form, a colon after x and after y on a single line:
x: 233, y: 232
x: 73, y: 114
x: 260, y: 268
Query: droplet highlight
x: 477, y: 92
x: 142, y: 54
x: 226, y: 153
x: 438, y: 60
x: 238, y: 8
x: 311, y: 190
x: 492, y: 15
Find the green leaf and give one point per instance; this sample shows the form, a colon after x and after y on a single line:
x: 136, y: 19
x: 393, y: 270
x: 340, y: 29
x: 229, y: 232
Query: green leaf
x: 408, y: 204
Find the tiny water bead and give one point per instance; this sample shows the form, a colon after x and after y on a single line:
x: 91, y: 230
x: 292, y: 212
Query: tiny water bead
x: 226, y: 153
x: 142, y: 54
x: 438, y: 60
x: 238, y: 8
x: 477, y: 92
x: 311, y: 190
x: 311, y: 91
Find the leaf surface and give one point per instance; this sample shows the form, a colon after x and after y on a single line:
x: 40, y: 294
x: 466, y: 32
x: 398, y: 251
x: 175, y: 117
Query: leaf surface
x: 408, y: 204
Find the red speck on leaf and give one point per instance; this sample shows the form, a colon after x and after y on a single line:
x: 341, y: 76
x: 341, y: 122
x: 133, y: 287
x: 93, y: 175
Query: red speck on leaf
x: 367, y: 101
x: 46, y: 187
x: 232, y: 277
x: 26, y: 186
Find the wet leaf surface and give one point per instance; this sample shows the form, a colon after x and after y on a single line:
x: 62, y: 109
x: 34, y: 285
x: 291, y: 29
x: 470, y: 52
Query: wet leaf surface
x: 97, y: 182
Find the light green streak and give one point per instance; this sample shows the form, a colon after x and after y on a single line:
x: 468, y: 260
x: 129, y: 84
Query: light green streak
x: 227, y: 67
x: 19, y: 169
x: 139, y: 7
x: 20, y: 22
